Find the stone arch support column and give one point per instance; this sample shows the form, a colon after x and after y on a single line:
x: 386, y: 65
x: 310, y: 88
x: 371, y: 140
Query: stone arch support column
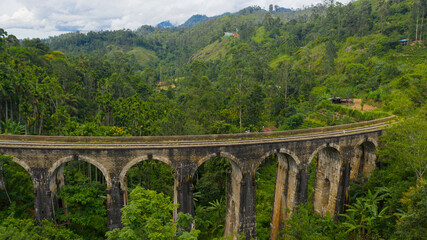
x: 183, y: 190
x: 286, y: 192
x: 115, y: 201
x: 234, y: 180
x: 363, y: 160
x: 241, y: 213
x: 43, y: 199
x: 328, y: 183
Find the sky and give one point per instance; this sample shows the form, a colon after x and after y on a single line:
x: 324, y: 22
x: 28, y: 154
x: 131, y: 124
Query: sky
x: 44, y: 18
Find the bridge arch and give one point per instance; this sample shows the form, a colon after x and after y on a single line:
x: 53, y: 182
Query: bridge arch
x: 286, y: 190
x: 24, y: 166
x: 227, y: 155
x: 321, y: 147
x: 137, y: 160
x: 328, y: 178
x: 363, y: 160
x: 292, y: 154
x: 52, y: 170
x: 225, y: 190
x: 281, y: 151
x: 369, y: 139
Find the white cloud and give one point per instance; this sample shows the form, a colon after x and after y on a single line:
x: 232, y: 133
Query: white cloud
x: 38, y: 18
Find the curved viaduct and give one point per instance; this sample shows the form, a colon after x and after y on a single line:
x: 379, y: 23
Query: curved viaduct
x: 343, y: 152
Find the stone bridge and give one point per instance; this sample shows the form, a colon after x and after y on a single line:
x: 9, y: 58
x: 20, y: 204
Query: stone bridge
x: 343, y: 152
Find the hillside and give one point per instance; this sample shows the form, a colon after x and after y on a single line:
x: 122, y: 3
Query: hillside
x: 293, y: 59
x: 143, y: 56
x: 213, y: 51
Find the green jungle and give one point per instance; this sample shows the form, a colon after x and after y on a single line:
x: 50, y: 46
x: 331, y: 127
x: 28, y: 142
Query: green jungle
x: 277, y: 72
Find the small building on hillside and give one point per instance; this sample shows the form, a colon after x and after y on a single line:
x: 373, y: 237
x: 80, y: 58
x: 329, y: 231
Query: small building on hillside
x: 403, y: 42
x: 231, y: 34
x: 338, y: 100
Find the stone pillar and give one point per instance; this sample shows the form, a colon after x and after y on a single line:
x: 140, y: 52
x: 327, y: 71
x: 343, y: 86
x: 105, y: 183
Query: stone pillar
x: 241, y: 213
x: 183, y: 191
x: 369, y: 158
x: 302, y: 184
x: 57, y: 181
x: 285, y: 195
x: 344, y: 185
x: 363, y: 160
x: 327, y: 183
x: 115, y: 201
x: 43, y: 200
x: 247, y: 223
x: 234, y: 180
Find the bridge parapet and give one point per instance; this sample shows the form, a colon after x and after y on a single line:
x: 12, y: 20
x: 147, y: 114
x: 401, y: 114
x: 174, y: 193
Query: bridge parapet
x: 193, y: 138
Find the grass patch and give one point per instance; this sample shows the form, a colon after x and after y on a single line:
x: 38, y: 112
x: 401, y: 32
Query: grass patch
x: 143, y: 56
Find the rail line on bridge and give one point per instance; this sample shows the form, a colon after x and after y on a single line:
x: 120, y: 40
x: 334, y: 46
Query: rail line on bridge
x: 194, y: 144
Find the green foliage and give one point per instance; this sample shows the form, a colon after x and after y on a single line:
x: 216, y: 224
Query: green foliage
x: 210, y: 197
x: 306, y: 224
x: 412, y: 220
x: 265, y: 179
x: 149, y: 216
x: 10, y: 127
x: 16, y: 190
x: 363, y: 219
x: 404, y: 145
x: 85, y: 208
x: 12, y: 228
x: 153, y: 175
x: 83, y: 202
x: 398, y: 174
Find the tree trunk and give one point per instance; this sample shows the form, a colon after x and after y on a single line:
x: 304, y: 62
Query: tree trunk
x: 90, y: 172
x: 139, y: 174
x: 422, y: 25
x: 240, y: 117
x: 416, y: 30
x: 41, y: 125
x: 6, y: 110
x: 11, y: 110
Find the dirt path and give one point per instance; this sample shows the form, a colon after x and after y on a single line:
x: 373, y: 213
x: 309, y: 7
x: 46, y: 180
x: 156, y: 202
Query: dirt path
x: 357, y: 105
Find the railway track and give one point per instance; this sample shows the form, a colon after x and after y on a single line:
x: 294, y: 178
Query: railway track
x: 183, y: 143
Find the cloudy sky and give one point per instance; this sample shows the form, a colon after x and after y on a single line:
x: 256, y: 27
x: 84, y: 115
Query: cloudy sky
x: 43, y: 18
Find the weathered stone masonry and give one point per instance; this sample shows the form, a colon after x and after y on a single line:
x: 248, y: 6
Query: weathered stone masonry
x: 341, y: 156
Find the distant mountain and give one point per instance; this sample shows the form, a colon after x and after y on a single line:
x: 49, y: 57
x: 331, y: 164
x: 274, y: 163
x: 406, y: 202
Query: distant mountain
x: 194, y: 20
x: 283, y: 10
x: 165, y: 24
x: 204, y: 32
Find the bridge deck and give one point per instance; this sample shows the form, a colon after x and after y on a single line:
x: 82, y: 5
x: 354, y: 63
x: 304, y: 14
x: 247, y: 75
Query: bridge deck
x: 25, y: 141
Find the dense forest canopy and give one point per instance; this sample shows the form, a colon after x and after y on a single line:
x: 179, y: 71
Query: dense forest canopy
x: 276, y: 70
x: 275, y: 73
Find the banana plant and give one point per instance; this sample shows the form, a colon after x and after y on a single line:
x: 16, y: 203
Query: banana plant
x: 362, y: 216
x: 11, y: 127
